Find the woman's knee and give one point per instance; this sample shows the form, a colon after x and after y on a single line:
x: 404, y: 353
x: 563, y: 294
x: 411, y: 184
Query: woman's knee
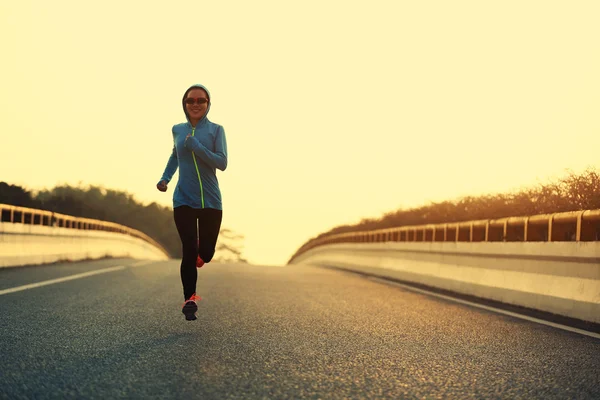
x: 206, y: 255
x: 189, y: 249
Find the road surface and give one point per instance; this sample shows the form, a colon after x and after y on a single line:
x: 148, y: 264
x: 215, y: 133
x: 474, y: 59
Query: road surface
x: 267, y: 332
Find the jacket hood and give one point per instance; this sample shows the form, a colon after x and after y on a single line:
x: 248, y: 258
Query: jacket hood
x: 196, y: 86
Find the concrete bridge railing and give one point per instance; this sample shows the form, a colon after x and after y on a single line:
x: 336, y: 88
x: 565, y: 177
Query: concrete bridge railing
x: 29, y: 236
x: 544, y: 262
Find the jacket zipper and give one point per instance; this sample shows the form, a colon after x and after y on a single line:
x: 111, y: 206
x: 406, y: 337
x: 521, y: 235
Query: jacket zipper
x: 198, y: 172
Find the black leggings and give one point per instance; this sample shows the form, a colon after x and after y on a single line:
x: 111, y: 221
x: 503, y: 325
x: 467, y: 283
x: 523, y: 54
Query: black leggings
x: 198, y: 229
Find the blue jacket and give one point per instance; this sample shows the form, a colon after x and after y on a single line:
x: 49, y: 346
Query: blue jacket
x: 198, y: 157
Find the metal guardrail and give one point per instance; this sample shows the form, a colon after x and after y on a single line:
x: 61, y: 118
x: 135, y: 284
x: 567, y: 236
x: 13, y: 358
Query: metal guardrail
x: 579, y: 226
x: 31, y: 216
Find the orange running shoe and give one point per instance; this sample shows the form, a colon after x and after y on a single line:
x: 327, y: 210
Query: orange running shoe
x: 199, y: 262
x: 190, y: 307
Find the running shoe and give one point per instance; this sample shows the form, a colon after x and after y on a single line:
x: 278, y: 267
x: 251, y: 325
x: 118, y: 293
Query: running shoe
x: 190, y: 307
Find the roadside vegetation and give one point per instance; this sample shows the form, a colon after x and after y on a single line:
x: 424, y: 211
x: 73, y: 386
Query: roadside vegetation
x: 120, y: 207
x: 573, y: 192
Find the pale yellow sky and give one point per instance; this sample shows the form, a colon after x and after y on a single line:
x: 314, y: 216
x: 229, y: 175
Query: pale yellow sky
x: 334, y: 110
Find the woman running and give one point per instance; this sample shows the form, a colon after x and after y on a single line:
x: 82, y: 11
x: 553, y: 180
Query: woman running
x: 199, y: 149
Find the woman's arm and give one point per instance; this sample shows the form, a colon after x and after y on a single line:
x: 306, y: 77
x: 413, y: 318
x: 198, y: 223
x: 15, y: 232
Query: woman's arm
x: 171, y: 167
x: 216, y: 159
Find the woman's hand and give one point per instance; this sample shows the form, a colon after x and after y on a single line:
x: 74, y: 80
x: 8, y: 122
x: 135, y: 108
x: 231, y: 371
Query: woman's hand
x: 188, y: 142
x: 162, y: 186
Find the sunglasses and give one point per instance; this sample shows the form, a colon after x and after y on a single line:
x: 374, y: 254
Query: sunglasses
x: 199, y: 100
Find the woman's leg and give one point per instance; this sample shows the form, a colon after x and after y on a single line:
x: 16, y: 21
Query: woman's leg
x: 209, y: 224
x: 185, y: 220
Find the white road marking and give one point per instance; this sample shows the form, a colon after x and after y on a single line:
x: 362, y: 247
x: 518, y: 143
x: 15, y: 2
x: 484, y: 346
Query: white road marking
x: 488, y: 308
x: 58, y: 280
x: 142, y: 263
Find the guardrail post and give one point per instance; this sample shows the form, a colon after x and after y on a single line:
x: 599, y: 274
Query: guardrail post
x: 505, y: 234
x: 579, y: 220
x: 550, y: 223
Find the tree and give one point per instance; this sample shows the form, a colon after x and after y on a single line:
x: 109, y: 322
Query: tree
x: 15, y: 195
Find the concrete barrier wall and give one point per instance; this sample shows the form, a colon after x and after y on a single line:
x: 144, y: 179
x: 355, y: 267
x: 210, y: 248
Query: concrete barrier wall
x: 558, y: 277
x: 22, y: 244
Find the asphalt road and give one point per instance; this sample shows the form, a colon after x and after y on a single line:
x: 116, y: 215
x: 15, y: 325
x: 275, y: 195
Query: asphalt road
x: 270, y: 333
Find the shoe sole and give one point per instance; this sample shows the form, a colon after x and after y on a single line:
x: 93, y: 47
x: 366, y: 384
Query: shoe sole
x: 189, y: 310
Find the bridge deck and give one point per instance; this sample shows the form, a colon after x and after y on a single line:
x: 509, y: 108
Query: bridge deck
x: 270, y: 332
